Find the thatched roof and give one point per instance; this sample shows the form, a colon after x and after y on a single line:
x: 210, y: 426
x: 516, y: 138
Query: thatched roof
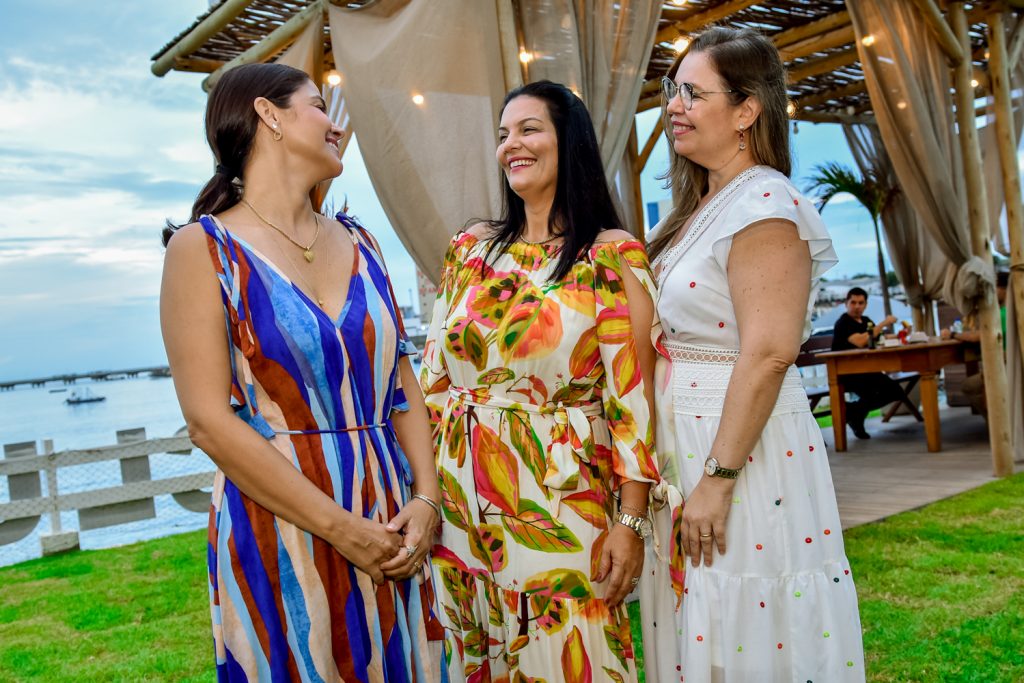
x: 815, y: 38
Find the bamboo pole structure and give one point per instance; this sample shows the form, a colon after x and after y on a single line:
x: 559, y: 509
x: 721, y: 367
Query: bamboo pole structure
x: 823, y: 65
x: 196, y: 64
x: 811, y: 29
x: 825, y: 41
x: 271, y: 44
x: 1000, y: 77
x: 645, y: 153
x: 1016, y: 46
x: 197, y: 37
x: 944, y: 36
x: 994, y: 366
x: 701, y: 19
x: 855, y: 88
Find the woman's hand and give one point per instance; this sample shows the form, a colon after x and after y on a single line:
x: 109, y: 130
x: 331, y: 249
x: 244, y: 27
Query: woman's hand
x: 417, y: 522
x: 622, y: 560
x: 368, y: 545
x: 704, y: 517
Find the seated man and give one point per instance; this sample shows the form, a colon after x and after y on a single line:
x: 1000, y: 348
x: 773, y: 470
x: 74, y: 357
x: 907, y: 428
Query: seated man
x: 974, y: 385
x: 873, y: 389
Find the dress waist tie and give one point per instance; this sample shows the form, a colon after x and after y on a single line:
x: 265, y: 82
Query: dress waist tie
x: 571, y: 437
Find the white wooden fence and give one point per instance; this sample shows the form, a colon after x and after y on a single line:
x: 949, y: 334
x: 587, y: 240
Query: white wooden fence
x: 26, y: 470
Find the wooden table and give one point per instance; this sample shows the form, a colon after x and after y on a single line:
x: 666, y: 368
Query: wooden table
x: 924, y: 359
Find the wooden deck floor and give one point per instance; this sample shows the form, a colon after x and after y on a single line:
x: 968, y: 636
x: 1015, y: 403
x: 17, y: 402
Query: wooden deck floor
x: 893, y: 471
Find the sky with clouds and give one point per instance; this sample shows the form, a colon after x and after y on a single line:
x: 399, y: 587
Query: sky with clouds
x: 96, y: 152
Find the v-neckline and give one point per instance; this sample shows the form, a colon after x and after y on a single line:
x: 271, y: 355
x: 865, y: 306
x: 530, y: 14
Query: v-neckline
x: 304, y: 296
x: 700, y: 220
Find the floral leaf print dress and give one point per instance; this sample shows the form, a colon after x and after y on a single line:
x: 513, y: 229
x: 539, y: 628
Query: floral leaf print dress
x: 286, y: 605
x: 536, y: 395
x: 780, y: 605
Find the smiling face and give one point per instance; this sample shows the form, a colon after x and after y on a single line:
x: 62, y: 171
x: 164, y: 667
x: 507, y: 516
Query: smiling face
x: 707, y: 134
x: 309, y: 133
x: 528, y: 149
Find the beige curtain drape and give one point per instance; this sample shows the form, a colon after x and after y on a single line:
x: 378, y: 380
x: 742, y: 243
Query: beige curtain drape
x: 910, y: 83
x: 424, y: 82
x: 599, y: 48
x: 919, y: 263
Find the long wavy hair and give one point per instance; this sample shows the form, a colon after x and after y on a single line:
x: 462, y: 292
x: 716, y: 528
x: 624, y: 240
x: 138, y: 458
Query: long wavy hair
x: 231, y: 124
x: 583, y: 205
x: 749, y: 64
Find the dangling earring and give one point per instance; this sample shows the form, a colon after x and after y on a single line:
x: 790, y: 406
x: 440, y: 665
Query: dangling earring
x: 743, y: 139
x: 277, y: 134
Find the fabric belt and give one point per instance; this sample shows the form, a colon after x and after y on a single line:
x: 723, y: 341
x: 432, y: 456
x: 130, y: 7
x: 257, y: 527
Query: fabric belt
x: 341, y: 430
x: 571, y: 438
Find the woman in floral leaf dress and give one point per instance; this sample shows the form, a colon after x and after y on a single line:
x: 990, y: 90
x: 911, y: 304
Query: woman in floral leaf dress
x: 537, y: 370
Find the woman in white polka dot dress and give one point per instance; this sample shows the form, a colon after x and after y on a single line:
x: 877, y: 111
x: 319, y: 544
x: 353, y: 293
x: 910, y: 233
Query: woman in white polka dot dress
x: 767, y: 593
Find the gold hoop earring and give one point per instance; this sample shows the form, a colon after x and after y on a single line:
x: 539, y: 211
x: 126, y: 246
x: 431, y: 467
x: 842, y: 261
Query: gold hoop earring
x: 277, y: 134
x: 743, y: 139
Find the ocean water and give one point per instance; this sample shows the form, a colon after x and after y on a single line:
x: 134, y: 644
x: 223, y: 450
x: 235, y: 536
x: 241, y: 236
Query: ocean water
x: 34, y: 414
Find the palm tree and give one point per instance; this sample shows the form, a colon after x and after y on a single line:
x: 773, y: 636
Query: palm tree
x: 871, y: 190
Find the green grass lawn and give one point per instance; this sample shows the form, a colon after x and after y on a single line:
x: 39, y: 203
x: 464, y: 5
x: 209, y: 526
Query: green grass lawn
x: 941, y: 591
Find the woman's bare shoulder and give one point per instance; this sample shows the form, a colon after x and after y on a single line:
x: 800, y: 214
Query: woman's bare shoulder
x: 613, y: 235
x: 481, y: 230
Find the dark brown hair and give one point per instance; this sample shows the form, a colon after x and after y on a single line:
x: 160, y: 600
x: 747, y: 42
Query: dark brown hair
x: 749, y: 64
x: 231, y: 124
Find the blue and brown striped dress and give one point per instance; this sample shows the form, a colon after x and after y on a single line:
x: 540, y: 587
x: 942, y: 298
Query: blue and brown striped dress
x: 286, y: 606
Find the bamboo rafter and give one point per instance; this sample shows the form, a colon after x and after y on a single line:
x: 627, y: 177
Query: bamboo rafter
x: 815, y: 38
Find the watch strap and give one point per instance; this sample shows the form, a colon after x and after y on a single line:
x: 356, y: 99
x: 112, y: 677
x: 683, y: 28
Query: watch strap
x: 636, y: 524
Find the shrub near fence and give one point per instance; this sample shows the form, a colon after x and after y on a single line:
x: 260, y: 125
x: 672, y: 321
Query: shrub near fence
x: 95, y: 493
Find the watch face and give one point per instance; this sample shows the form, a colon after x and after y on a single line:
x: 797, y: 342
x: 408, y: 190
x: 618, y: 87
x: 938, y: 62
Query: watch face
x: 711, y: 466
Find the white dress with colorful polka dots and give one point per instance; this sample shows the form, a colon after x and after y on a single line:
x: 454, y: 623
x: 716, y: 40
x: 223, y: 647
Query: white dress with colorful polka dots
x: 780, y: 605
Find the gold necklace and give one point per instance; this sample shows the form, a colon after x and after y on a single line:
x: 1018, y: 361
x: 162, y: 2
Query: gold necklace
x: 307, y: 251
x: 550, y: 239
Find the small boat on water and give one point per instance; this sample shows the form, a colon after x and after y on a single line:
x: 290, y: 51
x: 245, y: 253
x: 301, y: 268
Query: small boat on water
x: 58, y: 390
x: 83, y: 396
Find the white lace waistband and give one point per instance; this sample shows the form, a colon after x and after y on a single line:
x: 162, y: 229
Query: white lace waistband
x: 692, y: 353
x: 700, y: 378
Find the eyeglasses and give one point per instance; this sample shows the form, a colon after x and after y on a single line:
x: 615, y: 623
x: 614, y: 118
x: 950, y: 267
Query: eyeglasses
x: 669, y: 89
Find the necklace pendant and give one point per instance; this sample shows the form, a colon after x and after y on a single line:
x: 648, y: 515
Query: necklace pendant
x: 308, y: 253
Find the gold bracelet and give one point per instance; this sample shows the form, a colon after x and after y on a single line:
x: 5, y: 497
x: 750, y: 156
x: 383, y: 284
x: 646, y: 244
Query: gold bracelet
x: 634, y: 511
x: 429, y: 501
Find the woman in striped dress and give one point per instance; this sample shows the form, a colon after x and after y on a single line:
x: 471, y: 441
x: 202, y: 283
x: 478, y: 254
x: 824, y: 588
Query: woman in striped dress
x: 290, y: 364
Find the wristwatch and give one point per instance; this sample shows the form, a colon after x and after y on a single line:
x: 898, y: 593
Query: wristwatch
x: 713, y: 469
x: 641, y: 526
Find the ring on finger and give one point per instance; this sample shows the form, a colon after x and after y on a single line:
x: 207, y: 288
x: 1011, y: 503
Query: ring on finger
x: 411, y: 550
x: 707, y: 535
x: 634, y: 581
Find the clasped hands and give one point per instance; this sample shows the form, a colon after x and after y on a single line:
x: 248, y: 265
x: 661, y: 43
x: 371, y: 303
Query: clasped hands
x: 395, y: 550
